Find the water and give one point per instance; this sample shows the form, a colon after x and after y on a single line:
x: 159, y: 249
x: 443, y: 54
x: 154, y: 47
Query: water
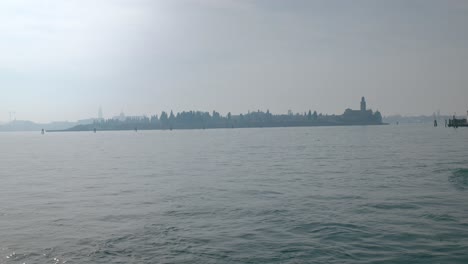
x: 386, y: 194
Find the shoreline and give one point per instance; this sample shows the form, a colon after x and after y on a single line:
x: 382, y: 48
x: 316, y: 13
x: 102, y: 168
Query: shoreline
x: 203, y: 128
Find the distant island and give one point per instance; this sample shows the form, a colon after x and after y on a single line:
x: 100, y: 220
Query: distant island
x: 206, y: 120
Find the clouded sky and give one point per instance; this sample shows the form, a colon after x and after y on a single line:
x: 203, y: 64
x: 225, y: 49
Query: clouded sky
x: 61, y: 60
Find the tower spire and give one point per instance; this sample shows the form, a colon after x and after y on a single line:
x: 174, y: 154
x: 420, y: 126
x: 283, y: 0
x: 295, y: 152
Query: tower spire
x: 363, y: 104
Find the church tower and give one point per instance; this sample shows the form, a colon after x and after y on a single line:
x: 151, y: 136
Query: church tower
x: 363, y: 104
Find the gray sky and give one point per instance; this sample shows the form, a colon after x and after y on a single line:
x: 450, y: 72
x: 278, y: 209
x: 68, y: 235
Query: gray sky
x: 61, y: 60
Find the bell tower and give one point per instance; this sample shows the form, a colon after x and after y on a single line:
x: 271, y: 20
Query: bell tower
x: 363, y: 104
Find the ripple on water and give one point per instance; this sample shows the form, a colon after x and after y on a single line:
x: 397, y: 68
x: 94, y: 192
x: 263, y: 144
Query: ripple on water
x: 459, y: 178
x: 33, y: 257
x: 343, y: 232
x: 359, y: 195
x: 390, y: 206
x: 439, y: 217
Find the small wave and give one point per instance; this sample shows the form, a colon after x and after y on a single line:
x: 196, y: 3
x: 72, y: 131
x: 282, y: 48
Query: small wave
x: 33, y: 257
x: 320, y: 227
x: 389, y: 206
x: 439, y: 217
x: 335, y: 197
x: 459, y: 178
x: 119, y: 218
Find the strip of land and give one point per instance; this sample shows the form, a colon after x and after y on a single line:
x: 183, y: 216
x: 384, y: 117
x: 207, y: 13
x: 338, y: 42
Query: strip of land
x: 206, y: 120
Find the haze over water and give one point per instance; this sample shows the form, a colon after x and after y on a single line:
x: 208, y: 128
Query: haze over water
x: 62, y: 60
x: 379, y: 194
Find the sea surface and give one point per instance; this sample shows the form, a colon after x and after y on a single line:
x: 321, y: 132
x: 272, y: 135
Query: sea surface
x: 364, y: 194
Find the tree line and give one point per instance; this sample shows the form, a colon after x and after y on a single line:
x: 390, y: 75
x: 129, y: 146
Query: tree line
x: 202, y: 120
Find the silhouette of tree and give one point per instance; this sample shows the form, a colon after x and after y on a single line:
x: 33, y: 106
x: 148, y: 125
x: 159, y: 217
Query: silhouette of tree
x: 200, y: 119
x: 163, y: 118
x: 378, y: 116
x: 216, y: 116
x: 154, y: 119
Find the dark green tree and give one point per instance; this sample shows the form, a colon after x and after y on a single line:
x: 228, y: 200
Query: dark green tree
x: 171, y: 116
x: 163, y: 118
x: 378, y: 116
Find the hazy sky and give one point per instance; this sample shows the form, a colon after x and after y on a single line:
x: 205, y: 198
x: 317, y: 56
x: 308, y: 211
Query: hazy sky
x: 61, y: 60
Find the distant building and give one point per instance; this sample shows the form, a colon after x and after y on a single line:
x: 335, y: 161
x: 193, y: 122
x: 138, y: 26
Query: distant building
x: 120, y: 117
x: 363, y: 115
x: 142, y: 117
x: 87, y: 121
